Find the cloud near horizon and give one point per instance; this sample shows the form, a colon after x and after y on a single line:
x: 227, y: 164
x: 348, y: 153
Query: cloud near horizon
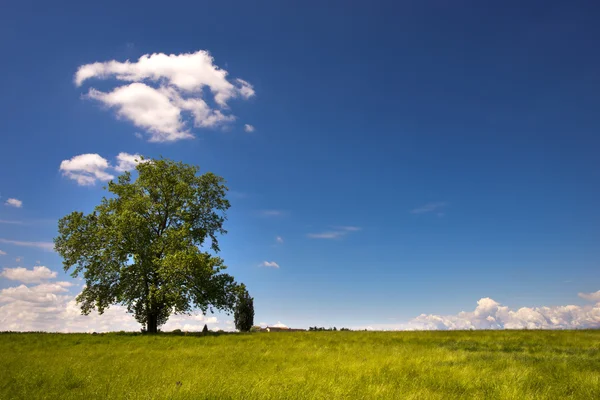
x: 50, y: 307
x: 179, y: 87
x: 595, y: 296
x: 489, y: 314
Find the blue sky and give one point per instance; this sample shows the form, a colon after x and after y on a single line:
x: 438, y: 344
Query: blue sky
x: 413, y: 157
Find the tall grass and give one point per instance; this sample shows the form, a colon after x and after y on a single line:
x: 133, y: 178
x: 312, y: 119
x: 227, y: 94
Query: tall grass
x: 303, y: 365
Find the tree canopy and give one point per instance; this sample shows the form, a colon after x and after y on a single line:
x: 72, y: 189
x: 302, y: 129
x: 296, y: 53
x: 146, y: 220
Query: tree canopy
x: 144, y: 247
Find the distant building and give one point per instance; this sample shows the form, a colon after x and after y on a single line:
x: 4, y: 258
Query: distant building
x: 275, y: 329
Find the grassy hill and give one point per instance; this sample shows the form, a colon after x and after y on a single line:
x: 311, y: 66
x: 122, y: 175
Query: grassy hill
x: 303, y: 365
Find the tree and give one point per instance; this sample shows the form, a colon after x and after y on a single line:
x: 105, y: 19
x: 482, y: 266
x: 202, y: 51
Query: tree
x: 142, y: 247
x: 244, y: 311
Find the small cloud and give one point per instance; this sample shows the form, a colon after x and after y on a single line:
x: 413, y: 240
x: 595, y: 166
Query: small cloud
x: 326, y: 235
x: 336, y: 233
x: 249, y: 128
x: 3, y: 221
x: 279, y: 325
x: 270, y: 264
x: 14, y: 203
x: 279, y: 239
x: 348, y: 228
x: 2, y: 253
x: 19, y: 259
x: 86, y: 169
x: 595, y: 296
x: 272, y: 213
x: 35, y: 275
x: 41, y: 245
x: 429, y: 207
x: 127, y: 162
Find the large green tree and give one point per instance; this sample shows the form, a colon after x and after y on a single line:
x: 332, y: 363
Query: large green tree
x: 142, y: 247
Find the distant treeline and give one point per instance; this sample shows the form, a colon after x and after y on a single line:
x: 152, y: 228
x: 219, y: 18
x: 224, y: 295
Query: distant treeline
x: 315, y: 328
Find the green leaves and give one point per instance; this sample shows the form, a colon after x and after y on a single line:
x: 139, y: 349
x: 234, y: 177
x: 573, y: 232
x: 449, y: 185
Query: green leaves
x: 140, y: 247
x: 244, y: 311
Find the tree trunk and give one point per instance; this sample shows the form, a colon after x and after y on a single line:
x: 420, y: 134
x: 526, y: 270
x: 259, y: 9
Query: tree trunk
x: 152, y: 324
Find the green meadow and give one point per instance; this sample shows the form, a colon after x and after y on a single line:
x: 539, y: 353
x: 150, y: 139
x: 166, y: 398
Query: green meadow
x: 302, y: 365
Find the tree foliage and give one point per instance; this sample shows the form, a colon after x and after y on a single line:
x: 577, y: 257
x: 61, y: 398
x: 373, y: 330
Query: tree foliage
x: 244, y: 311
x: 142, y: 247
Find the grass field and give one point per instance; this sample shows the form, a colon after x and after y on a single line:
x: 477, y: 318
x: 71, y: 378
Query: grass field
x: 303, y: 365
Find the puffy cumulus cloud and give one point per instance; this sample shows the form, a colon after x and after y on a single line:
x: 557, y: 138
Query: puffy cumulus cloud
x: 595, y: 296
x: 87, y: 169
x: 489, y: 314
x: 249, y: 128
x: 2, y: 253
x: 35, y: 275
x: 269, y: 264
x: 50, y: 307
x: 279, y: 325
x: 39, y: 294
x: 127, y: 162
x: 14, y: 203
x: 147, y: 108
x: 179, y: 87
x: 279, y: 239
x: 336, y: 233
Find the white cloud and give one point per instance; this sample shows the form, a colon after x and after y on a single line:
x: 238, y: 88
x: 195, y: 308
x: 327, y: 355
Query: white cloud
x: 14, y: 203
x: 19, y: 259
x: 35, y: 275
x: 336, y: 233
x: 271, y: 264
x: 2, y: 253
x: 279, y: 239
x: 49, y: 307
x: 127, y: 162
x: 3, y: 221
x: 42, y: 245
x: 595, y: 296
x: 42, y: 293
x: 429, y: 207
x: 180, y: 79
x: 272, y: 213
x: 489, y: 314
x: 86, y: 169
x: 248, y: 128
x: 279, y: 325
x: 147, y: 108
